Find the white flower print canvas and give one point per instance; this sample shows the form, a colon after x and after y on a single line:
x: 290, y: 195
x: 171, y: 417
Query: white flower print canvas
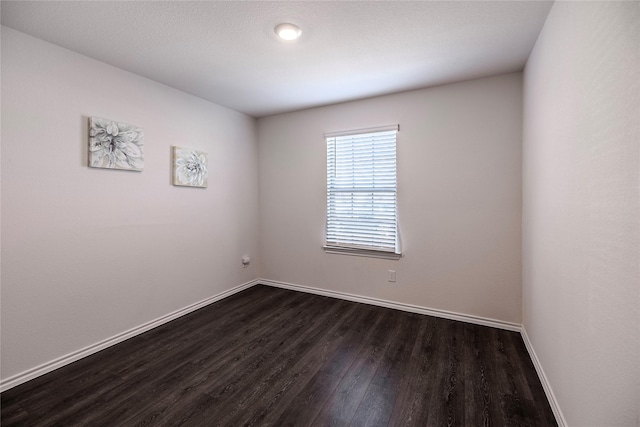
x: 115, y: 145
x: 189, y: 167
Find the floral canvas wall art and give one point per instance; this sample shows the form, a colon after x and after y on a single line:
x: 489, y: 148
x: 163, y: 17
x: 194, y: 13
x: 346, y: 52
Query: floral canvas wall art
x: 189, y: 167
x: 115, y: 145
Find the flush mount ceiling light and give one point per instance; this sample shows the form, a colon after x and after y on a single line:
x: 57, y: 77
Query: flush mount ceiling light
x: 288, y: 31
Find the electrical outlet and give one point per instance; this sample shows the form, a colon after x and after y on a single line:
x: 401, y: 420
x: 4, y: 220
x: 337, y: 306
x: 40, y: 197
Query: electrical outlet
x: 392, y: 275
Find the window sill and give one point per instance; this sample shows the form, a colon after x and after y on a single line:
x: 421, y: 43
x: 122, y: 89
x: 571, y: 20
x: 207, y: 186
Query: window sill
x: 362, y: 252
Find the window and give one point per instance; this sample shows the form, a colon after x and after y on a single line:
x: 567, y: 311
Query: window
x: 361, y: 193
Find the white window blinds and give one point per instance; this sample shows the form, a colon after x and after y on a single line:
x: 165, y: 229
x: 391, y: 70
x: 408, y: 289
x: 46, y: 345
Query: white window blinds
x: 361, y: 191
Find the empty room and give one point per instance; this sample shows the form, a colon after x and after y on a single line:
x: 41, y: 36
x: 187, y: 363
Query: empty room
x: 314, y: 213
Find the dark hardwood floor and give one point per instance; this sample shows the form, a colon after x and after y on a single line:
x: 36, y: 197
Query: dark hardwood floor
x: 269, y: 356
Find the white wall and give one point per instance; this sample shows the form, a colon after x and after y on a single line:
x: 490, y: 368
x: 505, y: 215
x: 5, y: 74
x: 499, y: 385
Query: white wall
x: 581, y: 278
x: 89, y: 253
x: 459, y: 189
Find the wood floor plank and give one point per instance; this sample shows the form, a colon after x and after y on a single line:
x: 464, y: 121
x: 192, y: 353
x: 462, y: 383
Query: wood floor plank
x: 227, y: 376
x: 308, y: 402
x: 411, y: 405
x: 393, y: 368
x: 143, y: 372
x: 343, y: 404
x: 525, y: 374
x: 479, y: 407
x: 378, y: 403
x: 244, y: 351
x: 13, y: 414
x: 274, y: 357
x: 376, y: 407
x: 281, y: 365
x: 87, y: 376
x: 281, y: 390
x: 446, y: 407
x: 514, y: 393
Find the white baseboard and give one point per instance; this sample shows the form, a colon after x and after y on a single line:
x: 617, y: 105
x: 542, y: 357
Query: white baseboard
x: 477, y: 320
x: 543, y: 379
x: 47, y: 367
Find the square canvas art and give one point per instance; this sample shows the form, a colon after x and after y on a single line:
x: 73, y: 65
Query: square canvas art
x: 189, y: 167
x: 115, y: 145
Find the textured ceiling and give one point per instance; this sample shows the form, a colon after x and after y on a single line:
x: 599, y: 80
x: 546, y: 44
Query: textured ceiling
x: 227, y: 52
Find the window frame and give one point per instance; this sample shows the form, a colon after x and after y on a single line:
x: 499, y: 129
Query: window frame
x: 350, y: 248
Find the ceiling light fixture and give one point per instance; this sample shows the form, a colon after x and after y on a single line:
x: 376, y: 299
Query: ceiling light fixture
x: 288, y: 31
